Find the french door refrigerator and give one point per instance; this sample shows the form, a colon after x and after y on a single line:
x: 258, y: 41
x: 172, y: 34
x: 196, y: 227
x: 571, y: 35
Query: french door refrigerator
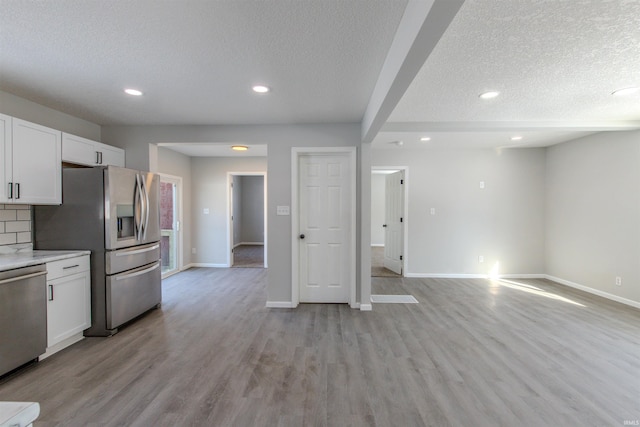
x: 115, y: 213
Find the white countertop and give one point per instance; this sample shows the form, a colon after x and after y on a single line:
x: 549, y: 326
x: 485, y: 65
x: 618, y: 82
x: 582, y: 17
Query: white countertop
x: 18, y: 413
x: 26, y: 258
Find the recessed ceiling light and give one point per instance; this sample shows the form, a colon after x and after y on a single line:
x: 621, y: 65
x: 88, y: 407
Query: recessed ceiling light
x: 261, y: 89
x: 425, y: 139
x: 516, y: 138
x: 239, y: 147
x: 489, y: 95
x: 134, y: 92
x: 625, y: 91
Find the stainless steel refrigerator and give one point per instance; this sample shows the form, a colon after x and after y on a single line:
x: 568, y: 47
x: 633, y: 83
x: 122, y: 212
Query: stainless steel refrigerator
x: 115, y: 213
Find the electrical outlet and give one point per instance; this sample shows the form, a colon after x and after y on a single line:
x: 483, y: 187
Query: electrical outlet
x: 433, y: 211
x: 480, y: 258
x: 283, y: 210
x: 193, y: 251
x: 618, y: 281
x: 482, y: 184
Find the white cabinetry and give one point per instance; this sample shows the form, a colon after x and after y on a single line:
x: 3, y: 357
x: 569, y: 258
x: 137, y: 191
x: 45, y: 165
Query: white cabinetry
x: 82, y: 151
x: 68, y: 302
x: 30, y: 169
x: 5, y: 159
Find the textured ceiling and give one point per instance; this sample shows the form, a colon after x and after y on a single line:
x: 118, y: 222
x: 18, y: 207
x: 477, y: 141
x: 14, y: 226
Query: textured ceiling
x: 492, y: 139
x: 216, y: 149
x: 551, y: 60
x: 555, y: 63
x: 196, y: 60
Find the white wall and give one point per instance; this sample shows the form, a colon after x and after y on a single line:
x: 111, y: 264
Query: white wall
x: 26, y: 110
x: 252, y: 212
x: 377, y: 208
x: 593, y: 213
x: 280, y: 139
x: 209, y: 186
x: 176, y: 164
x: 504, y: 222
x: 237, y: 209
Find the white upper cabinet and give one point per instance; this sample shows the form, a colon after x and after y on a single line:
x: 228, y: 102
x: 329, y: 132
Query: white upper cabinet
x: 5, y: 160
x: 82, y: 151
x: 110, y: 155
x: 31, y: 169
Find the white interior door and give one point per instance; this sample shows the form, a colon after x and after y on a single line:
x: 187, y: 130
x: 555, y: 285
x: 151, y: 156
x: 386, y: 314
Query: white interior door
x: 325, y: 227
x: 233, y: 227
x: 394, y: 221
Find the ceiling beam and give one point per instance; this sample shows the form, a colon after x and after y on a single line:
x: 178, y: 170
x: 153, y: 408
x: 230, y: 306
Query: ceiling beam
x: 505, y: 126
x: 421, y: 27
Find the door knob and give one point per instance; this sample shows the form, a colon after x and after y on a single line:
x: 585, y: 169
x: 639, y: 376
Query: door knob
x: 302, y: 236
x: 384, y: 225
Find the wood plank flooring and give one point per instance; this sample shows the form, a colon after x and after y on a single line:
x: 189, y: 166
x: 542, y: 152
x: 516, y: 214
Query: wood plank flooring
x: 471, y: 353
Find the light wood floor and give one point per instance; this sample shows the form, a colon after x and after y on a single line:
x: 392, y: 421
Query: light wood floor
x: 471, y: 353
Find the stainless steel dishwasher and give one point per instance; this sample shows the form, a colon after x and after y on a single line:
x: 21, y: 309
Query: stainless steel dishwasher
x: 23, y: 316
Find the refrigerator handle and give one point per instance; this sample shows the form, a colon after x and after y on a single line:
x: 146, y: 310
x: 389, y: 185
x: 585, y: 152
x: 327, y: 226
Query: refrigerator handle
x: 137, y: 273
x: 138, y: 208
x: 146, y: 207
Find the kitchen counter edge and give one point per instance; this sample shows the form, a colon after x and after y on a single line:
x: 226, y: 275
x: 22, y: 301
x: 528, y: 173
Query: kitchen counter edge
x: 35, y: 257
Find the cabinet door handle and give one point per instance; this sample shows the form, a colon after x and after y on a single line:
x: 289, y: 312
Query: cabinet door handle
x: 71, y: 266
x: 11, y: 190
x: 50, y: 292
x: 100, y: 154
x: 17, y: 190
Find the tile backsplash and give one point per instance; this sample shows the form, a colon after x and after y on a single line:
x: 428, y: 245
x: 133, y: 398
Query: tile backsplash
x: 15, y: 224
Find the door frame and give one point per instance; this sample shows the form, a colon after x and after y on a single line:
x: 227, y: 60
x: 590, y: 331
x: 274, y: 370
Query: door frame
x: 230, y: 242
x: 177, y: 180
x: 296, y: 153
x: 405, y: 231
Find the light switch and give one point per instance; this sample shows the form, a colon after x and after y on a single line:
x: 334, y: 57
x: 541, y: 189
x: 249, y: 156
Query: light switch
x: 481, y: 184
x: 433, y: 211
x: 205, y: 211
x: 282, y: 210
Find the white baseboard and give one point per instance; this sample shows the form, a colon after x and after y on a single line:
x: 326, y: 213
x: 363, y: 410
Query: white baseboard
x: 366, y: 307
x: 280, y: 304
x: 597, y: 292
x: 445, y: 276
x: 523, y: 276
x: 61, y: 345
x: 205, y: 264
x: 473, y: 276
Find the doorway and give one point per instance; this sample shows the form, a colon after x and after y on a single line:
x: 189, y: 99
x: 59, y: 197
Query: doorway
x: 170, y: 222
x: 247, y: 220
x: 323, y: 225
x: 388, y: 221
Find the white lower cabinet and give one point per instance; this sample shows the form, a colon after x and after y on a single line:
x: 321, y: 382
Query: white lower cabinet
x: 68, y: 302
